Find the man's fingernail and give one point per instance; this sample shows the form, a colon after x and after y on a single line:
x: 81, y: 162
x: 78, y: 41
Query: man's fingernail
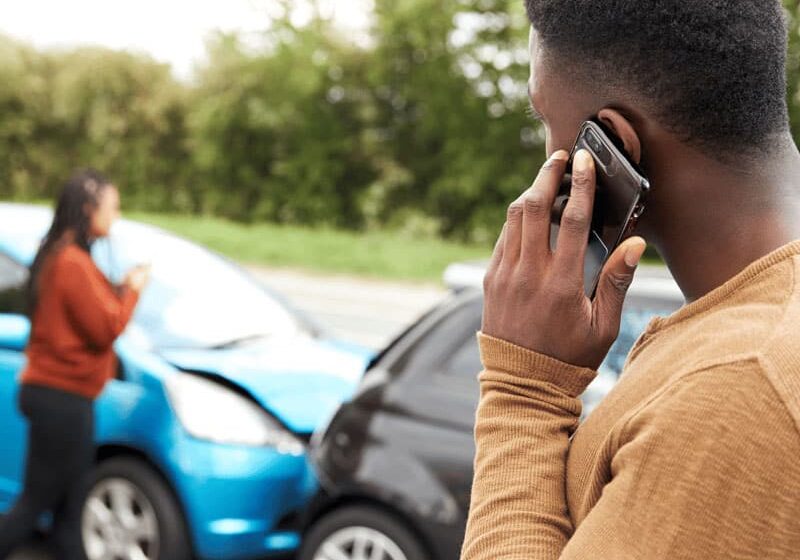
x: 560, y: 155
x: 634, y: 254
x: 583, y: 159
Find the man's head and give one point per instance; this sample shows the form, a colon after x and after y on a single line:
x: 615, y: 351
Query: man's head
x: 708, y: 73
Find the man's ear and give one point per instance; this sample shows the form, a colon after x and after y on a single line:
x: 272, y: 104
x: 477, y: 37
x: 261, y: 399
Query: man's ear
x: 620, y: 126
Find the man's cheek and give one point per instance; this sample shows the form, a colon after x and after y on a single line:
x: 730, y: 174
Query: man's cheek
x: 559, y: 141
x: 548, y: 141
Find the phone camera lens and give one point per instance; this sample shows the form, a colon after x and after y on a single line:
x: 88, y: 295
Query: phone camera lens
x: 593, y: 141
x: 597, y: 147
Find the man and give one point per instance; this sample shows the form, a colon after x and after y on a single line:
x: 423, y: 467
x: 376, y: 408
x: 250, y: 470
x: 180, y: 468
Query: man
x: 696, y: 452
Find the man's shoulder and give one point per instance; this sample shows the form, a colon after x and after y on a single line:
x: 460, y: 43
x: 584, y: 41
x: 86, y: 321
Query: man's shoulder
x: 756, y: 321
x: 779, y: 356
x: 729, y: 366
x: 753, y: 339
x: 736, y: 397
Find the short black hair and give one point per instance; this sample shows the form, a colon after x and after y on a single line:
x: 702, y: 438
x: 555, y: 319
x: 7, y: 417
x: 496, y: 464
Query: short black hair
x: 711, y: 71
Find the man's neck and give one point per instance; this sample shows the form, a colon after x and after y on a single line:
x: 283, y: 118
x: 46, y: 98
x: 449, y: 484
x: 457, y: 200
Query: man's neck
x: 711, y: 226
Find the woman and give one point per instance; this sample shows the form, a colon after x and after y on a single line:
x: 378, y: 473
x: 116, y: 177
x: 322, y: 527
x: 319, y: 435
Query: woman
x: 76, y: 315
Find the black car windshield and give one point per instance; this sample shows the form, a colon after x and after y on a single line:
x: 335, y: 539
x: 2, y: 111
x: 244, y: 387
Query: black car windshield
x: 635, y: 318
x: 195, y: 298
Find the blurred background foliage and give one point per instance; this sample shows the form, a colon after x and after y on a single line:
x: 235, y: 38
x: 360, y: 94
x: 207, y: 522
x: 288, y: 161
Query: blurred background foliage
x: 420, y: 128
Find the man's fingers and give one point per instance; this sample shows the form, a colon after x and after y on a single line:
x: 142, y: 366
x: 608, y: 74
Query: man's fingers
x: 573, y: 235
x: 527, y: 228
x: 512, y: 232
x: 613, y: 285
x: 537, y: 206
x: 497, y: 255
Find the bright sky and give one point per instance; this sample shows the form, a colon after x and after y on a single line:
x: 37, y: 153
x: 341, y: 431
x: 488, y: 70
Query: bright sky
x: 171, y: 31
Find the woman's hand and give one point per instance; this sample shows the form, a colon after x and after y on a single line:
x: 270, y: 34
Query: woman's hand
x: 535, y: 297
x: 137, y: 278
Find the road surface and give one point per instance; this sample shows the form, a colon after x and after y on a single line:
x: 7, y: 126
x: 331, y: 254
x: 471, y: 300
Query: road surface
x: 368, y: 312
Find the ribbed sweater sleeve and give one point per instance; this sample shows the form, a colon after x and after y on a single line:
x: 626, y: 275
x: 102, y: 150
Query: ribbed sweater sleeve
x: 673, y: 461
x: 528, y: 410
x: 95, y: 310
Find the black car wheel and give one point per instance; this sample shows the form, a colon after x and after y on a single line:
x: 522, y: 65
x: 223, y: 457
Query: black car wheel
x: 130, y: 514
x: 361, y: 532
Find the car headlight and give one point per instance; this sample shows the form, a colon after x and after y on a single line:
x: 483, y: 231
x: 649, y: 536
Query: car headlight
x: 208, y: 410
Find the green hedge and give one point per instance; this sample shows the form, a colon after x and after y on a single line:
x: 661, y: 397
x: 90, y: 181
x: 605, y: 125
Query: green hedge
x: 422, y: 127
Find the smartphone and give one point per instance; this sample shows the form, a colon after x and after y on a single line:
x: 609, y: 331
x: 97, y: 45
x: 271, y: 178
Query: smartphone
x: 619, y: 199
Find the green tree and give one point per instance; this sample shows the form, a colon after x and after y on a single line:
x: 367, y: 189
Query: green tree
x: 450, y: 76
x: 124, y: 114
x: 282, y: 135
x: 422, y: 128
x: 28, y: 131
x: 90, y: 107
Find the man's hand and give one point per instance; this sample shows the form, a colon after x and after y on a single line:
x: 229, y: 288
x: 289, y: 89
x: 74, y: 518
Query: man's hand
x: 534, y: 297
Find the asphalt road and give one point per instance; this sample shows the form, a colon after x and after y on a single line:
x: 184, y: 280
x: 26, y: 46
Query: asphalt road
x: 367, y: 312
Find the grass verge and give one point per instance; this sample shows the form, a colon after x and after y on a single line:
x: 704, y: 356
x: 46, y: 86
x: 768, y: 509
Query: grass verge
x: 382, y: 255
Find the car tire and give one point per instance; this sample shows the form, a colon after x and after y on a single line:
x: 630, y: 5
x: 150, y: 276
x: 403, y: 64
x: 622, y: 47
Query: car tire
x: 339, y: 527
x: 142, y: 504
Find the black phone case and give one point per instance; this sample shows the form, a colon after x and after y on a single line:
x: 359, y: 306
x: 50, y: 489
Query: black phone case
x: 619, y: 199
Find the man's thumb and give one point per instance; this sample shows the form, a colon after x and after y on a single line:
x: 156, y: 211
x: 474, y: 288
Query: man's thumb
x: 617, y: 276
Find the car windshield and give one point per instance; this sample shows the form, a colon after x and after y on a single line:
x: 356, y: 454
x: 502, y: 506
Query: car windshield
x: 634, y: 321
x: 195, y: 298
x: 635, y: 317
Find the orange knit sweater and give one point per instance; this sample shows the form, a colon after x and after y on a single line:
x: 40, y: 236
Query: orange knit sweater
x: 78, y: 316
x: 695, y: 454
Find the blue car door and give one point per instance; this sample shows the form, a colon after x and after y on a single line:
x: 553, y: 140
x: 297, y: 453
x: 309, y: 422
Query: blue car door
x: 14, y: 329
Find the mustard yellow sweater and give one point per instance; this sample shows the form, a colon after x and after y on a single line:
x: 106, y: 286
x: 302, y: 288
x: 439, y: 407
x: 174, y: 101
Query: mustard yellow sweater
x: 694, y: 454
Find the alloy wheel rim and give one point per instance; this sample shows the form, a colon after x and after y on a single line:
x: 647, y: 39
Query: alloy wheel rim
x: 358, y: 543
x: 119, y: 522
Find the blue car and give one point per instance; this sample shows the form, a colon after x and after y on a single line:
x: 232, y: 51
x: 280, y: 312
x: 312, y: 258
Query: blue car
x: 201, y: 438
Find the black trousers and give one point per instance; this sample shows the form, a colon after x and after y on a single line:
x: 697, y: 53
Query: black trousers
x: 60, y: 455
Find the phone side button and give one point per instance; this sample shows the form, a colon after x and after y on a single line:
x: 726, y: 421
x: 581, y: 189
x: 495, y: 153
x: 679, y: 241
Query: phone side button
x: 631, y: 226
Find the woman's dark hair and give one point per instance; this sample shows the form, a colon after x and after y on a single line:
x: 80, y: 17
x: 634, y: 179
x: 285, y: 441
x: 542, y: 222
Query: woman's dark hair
x: 71, y: 221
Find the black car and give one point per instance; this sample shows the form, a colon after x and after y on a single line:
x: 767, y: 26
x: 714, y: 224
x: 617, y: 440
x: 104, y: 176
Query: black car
x: 395, y: 463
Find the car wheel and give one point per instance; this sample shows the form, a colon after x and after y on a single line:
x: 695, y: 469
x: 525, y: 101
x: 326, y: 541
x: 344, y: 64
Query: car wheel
x: 357, y: 532
x: 130, y: 514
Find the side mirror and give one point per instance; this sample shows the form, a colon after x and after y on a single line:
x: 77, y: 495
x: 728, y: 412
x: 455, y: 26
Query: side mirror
x: 14, y: 332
